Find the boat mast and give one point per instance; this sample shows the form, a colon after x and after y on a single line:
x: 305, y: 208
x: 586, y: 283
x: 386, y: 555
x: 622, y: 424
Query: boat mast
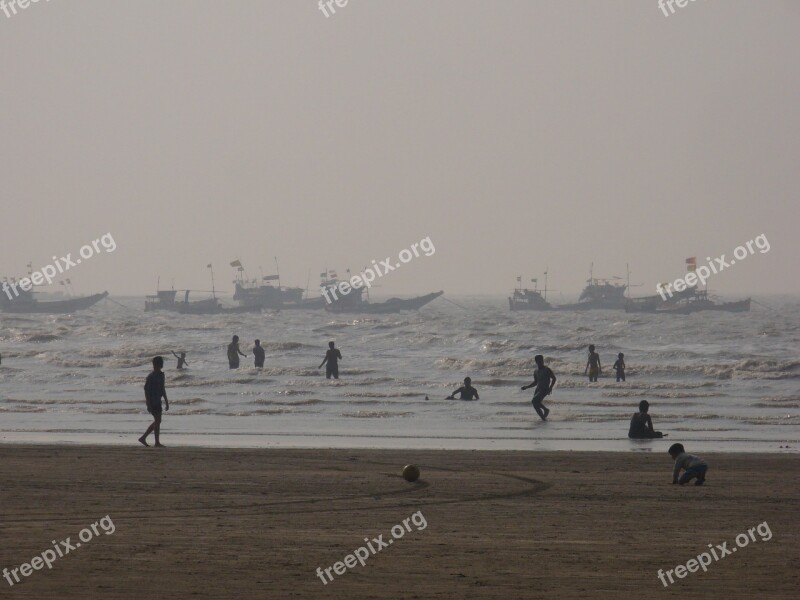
x: 278, y: 271
x: 213, y: 290
x: 628, y: 280
x: 545, y: 283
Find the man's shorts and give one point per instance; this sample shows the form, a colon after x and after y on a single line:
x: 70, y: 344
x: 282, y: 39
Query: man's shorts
x: 539, y: 397
x: 154, y: 408
x: 332, y: 371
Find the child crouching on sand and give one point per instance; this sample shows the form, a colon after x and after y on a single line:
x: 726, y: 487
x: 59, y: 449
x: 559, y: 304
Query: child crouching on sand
x: 693, y: 466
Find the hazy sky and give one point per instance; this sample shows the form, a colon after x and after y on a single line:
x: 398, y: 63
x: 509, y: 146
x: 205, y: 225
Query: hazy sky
x: 517, y: 135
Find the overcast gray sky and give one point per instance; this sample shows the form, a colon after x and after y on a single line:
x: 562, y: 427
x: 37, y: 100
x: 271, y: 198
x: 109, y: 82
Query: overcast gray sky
x: 517, y: 135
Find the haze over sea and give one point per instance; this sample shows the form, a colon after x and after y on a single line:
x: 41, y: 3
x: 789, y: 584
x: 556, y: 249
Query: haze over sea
x: 717, y: 381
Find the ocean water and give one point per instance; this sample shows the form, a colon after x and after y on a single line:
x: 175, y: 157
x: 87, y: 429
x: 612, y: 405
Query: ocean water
x: 715, y: 381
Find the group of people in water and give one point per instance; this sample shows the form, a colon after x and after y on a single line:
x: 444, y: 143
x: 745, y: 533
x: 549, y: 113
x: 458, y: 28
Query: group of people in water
x: 155, y: 387
x: 594, y: 368
x: 332, y: 357
x: 544, y: 380
x: 686, y: 468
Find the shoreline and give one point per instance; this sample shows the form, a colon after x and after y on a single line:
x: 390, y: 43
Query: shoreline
x: 245, y: 440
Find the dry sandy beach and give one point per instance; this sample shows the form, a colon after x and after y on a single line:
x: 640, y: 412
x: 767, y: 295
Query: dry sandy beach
x: 206, y: 523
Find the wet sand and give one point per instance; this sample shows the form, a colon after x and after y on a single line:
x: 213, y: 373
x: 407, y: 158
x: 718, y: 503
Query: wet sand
x: 213, y: 523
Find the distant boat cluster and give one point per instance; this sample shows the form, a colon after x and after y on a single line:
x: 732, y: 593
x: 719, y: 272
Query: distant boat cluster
x: 612, y: 295
x: 253, y: 295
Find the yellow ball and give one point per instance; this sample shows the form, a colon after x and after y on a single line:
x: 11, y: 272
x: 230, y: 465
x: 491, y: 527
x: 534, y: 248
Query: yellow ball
x: 411, y: 472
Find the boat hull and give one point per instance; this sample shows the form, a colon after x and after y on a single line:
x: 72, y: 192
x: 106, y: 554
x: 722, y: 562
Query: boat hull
x: 393, y: 305
x: 578, y: 306
x: 56, y: 307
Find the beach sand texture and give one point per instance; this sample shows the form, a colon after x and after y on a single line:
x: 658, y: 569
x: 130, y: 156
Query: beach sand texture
x: 211, y: 523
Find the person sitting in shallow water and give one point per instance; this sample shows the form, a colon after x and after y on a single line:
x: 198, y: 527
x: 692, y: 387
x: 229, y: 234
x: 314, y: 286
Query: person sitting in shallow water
x: 467, y: 391
x: 642, y: 425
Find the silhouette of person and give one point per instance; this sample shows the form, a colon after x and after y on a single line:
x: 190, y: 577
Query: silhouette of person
x: 181, y: 360
x: 258, y: 353
x: 593, y: 364
x: 642, y: 425
x: 619, y: 367
x: 544, y: 379
x: 467, y: 391
x: 332, y: 357
x: 234, y: 353
x: 154, y: 390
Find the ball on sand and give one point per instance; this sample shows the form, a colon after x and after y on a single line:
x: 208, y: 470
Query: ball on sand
x: 411, y: 472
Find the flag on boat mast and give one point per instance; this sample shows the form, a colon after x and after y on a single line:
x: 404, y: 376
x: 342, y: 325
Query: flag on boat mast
x: 691, y: 263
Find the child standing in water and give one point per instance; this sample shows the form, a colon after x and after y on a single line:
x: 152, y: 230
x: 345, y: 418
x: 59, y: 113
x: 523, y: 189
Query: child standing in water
x: 332, y: 357
x: 619, y: 367
x: 181, y: 360
x: 259, y: 354
x: 234, y: 353
x: 593, y: 366
x: 544, y: 380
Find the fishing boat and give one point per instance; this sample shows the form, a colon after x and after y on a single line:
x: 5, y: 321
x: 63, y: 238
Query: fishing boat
x: 600, y: 294
x: 161, y: 300
x: 527, y: 299
x: 392, y: 305
x: 699, y: 301
x: 26, y: 303
x: 652, y: 304
x: 355, y: 302
x: 686, y: 301
x: 264, y: 294
x: 165, y: 300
